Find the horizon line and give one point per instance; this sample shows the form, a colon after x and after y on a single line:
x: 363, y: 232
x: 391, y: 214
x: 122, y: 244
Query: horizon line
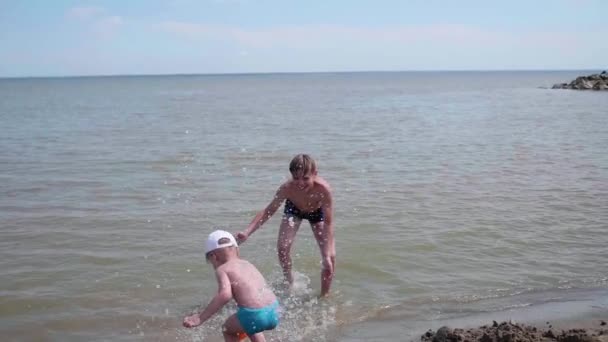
x: 290, y: 73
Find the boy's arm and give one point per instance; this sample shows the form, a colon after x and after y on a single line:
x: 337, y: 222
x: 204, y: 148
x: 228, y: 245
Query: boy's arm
x: 263, y: 215
x: 223, y: 296
x: 327, y: 249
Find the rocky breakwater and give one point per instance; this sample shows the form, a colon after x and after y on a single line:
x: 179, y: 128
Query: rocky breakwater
x: 591, y: 82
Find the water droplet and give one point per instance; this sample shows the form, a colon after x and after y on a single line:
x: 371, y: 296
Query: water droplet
x: 188, y: 270
x: 158, y: 286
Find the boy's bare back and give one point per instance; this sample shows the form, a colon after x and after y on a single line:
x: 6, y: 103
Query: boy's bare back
x: 249, y: 288
x: 237, y: 279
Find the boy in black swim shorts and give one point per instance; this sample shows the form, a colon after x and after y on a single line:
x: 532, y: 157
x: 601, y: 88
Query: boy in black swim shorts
x: 307, y: 196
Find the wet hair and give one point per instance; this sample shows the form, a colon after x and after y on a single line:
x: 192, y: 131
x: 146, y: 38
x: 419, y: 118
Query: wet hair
x: 302, y: 163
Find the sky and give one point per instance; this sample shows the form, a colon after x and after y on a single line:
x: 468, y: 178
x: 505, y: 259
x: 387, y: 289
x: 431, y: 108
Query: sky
x: 109, y: 37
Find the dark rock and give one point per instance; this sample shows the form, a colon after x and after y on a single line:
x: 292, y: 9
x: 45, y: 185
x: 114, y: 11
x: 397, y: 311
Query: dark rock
x: 594, y: 82
x: 560, y: 86
x: 486, y: 338
x: 600, y: 85
x: 581, y: 83
x: 507, y: 338
x: 442, y: 334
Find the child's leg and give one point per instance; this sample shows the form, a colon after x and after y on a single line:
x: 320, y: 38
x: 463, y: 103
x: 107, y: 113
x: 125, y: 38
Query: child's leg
x: 327, y: 274
x: 231, y: 329
x: 259, y: 337
x: 287, y: 234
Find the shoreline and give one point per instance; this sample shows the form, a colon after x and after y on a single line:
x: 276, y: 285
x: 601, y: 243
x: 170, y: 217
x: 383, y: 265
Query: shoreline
x: 562, y: 310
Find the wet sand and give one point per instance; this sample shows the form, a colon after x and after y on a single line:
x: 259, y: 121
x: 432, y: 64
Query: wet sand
x: 590, y: 331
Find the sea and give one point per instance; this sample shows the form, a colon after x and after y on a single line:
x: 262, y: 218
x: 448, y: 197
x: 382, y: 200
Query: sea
x: 459, y: 197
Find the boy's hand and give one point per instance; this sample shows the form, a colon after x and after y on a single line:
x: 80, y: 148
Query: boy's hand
x: 192, y: 321
x: 241, y: 237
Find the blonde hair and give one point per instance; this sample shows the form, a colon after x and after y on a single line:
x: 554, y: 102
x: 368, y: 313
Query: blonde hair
x: 302, y: 163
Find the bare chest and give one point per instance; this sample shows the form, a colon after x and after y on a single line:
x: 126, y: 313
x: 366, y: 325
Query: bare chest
x: 306, y: 201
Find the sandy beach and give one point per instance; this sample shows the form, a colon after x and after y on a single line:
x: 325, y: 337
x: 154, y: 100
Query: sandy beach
x: 568, y: 315
x: 575, y: 319
x: 589, y: 331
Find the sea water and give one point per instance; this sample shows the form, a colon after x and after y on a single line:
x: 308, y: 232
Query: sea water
x: 456, y: 194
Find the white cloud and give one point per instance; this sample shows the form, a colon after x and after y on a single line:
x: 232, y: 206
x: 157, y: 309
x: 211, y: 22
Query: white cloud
x: 95, y: 20
x: 84, y: 12
x: 108, y: 25
x: 332, y: 35
x: 422, y: 47
x: 188, y: 3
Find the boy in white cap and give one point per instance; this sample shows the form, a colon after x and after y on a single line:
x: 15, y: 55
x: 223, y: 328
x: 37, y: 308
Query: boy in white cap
x: 238, y: 279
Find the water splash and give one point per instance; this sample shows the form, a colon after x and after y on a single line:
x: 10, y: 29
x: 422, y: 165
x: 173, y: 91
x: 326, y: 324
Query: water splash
x: 303, y: 315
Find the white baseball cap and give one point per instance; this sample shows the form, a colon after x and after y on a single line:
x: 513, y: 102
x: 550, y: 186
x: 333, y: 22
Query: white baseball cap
x: 213, y: 241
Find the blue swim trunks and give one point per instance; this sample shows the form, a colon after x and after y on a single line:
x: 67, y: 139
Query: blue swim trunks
x: 255, y: 320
